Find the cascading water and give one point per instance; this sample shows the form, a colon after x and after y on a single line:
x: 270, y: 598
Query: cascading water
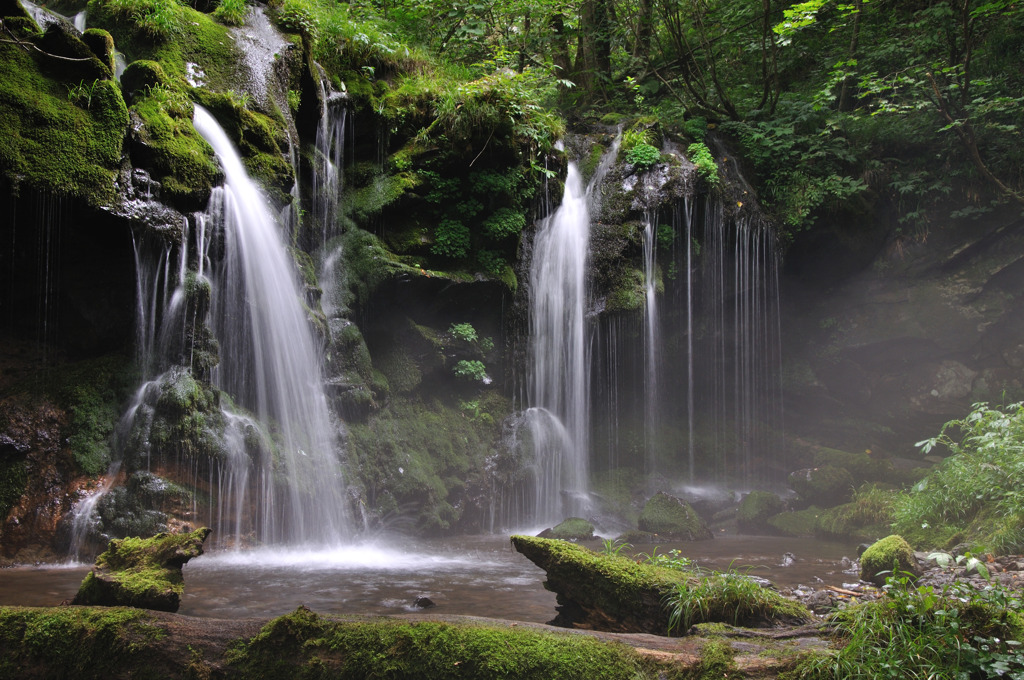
x: 270, y: 363
x: 651, y: 337
x: 559, y: 420
x: 560, y: 382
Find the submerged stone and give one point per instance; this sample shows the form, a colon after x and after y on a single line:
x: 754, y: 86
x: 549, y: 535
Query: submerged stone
x: 142, y: 572
x: 671, y: 517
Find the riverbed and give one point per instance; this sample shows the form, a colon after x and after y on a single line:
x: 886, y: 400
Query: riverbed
x: 474, y: 575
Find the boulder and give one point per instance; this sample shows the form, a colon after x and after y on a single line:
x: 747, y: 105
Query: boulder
x: 756, y: 508
x: 892, y: 552
x: 571, y: 529
x: 825, y: 486
x: 142, y: 572
x: 673, y: 518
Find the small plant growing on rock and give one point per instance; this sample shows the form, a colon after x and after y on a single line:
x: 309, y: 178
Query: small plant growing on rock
x: 643, y: 156
x: 471, y: 370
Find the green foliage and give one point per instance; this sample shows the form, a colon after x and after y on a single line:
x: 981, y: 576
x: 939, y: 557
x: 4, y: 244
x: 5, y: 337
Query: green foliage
x: 700, y: 155
x: 696, y: 128
x: 451, y: 239
x: 231, y: 12
x: 470, y: 369
x: 869, y: 514
x: 463, y: 331
x: 158, y: 19
x: 727, y: 597
x: 924, y: 633
x: 614, y: 547
x: 643, y: 156
x: 673, y: 559
x: 503, y: 223
x: 975, y: 494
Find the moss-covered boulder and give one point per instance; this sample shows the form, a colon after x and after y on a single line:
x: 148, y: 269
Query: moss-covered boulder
x: 571, y: 529
x: 615, y: 593
x: 672, y: 517
x: 869, y: 515
x: 755, y: 510
x: 797, y: 523
x: 825, y: 486
x: 142, y: 572
x: 891, y: 553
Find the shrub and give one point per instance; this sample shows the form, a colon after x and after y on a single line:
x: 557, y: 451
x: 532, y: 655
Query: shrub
x: 470, y: 370
x: 451, y: 239
x: 700, y: 155
x: 463, y: 331
x: 504, y: 222
x: 957, y: 632
x: 643, y: 156
x: 974, y: 494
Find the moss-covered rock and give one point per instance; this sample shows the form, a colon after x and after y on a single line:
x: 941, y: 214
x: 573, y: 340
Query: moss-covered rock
x: 798, y: 523
x: 869, y: 515
x: 102, y: 45
x: 671, y: 517
x: 59, y: 132
x: 615, y: 593
x: 863, y: 467
x: 571, y: 529
x: 304, y: 643
x: 825, y: 486
x: 142, y: 75
x: 879, y: 560
x: 755, y: 510
x: 142, y: 572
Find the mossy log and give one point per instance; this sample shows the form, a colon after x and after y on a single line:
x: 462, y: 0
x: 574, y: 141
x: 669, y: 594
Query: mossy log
x: 614, y: 593
x: 142, y: 572
x: 94, y: 643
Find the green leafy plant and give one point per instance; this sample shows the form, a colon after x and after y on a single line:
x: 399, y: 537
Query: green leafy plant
x: 700, y: 155
x: 471, y: 369
x: 921, y: 632
x: 451, y: 239
x: 463, y: 331
x: 727, y: 597
x: 673, y: 559
x: 643, y: 156
x: 504, y: 222
x: 614, y: 547
x: 963, y: 496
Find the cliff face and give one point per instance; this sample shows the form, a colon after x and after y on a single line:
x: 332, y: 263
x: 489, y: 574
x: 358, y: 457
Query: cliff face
x: 888, y: 337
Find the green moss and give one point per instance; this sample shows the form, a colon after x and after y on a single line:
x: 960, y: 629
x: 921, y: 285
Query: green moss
x: 197, y: 39
x: 664, y: 514
x: 52, y: 144
x: 892, y: 552
x: 825, y: 486
x: 78, y: 642
x: 799, y: 523
x: 870, y: 514
x: 417, y: 456
x: 572, y: 529
x: 861, y: 466
x: 755, y: 510
x: 142, y: 572
x: 716, y: 661
x: 169, y: 147
x: 13, y: 482
x: 102, y: 45
x: 628, y: 293
x: 303, y: 644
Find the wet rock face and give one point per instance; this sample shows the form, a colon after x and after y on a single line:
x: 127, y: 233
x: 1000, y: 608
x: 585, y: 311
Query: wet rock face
x: 142, y: 573
x: 36, y: 480
x: 887, y: 341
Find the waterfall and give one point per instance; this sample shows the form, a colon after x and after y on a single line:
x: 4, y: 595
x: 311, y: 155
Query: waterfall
x: 560, y: 382
x: 270, y: 362
x: 652, y: 337
x: 328, y: 165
